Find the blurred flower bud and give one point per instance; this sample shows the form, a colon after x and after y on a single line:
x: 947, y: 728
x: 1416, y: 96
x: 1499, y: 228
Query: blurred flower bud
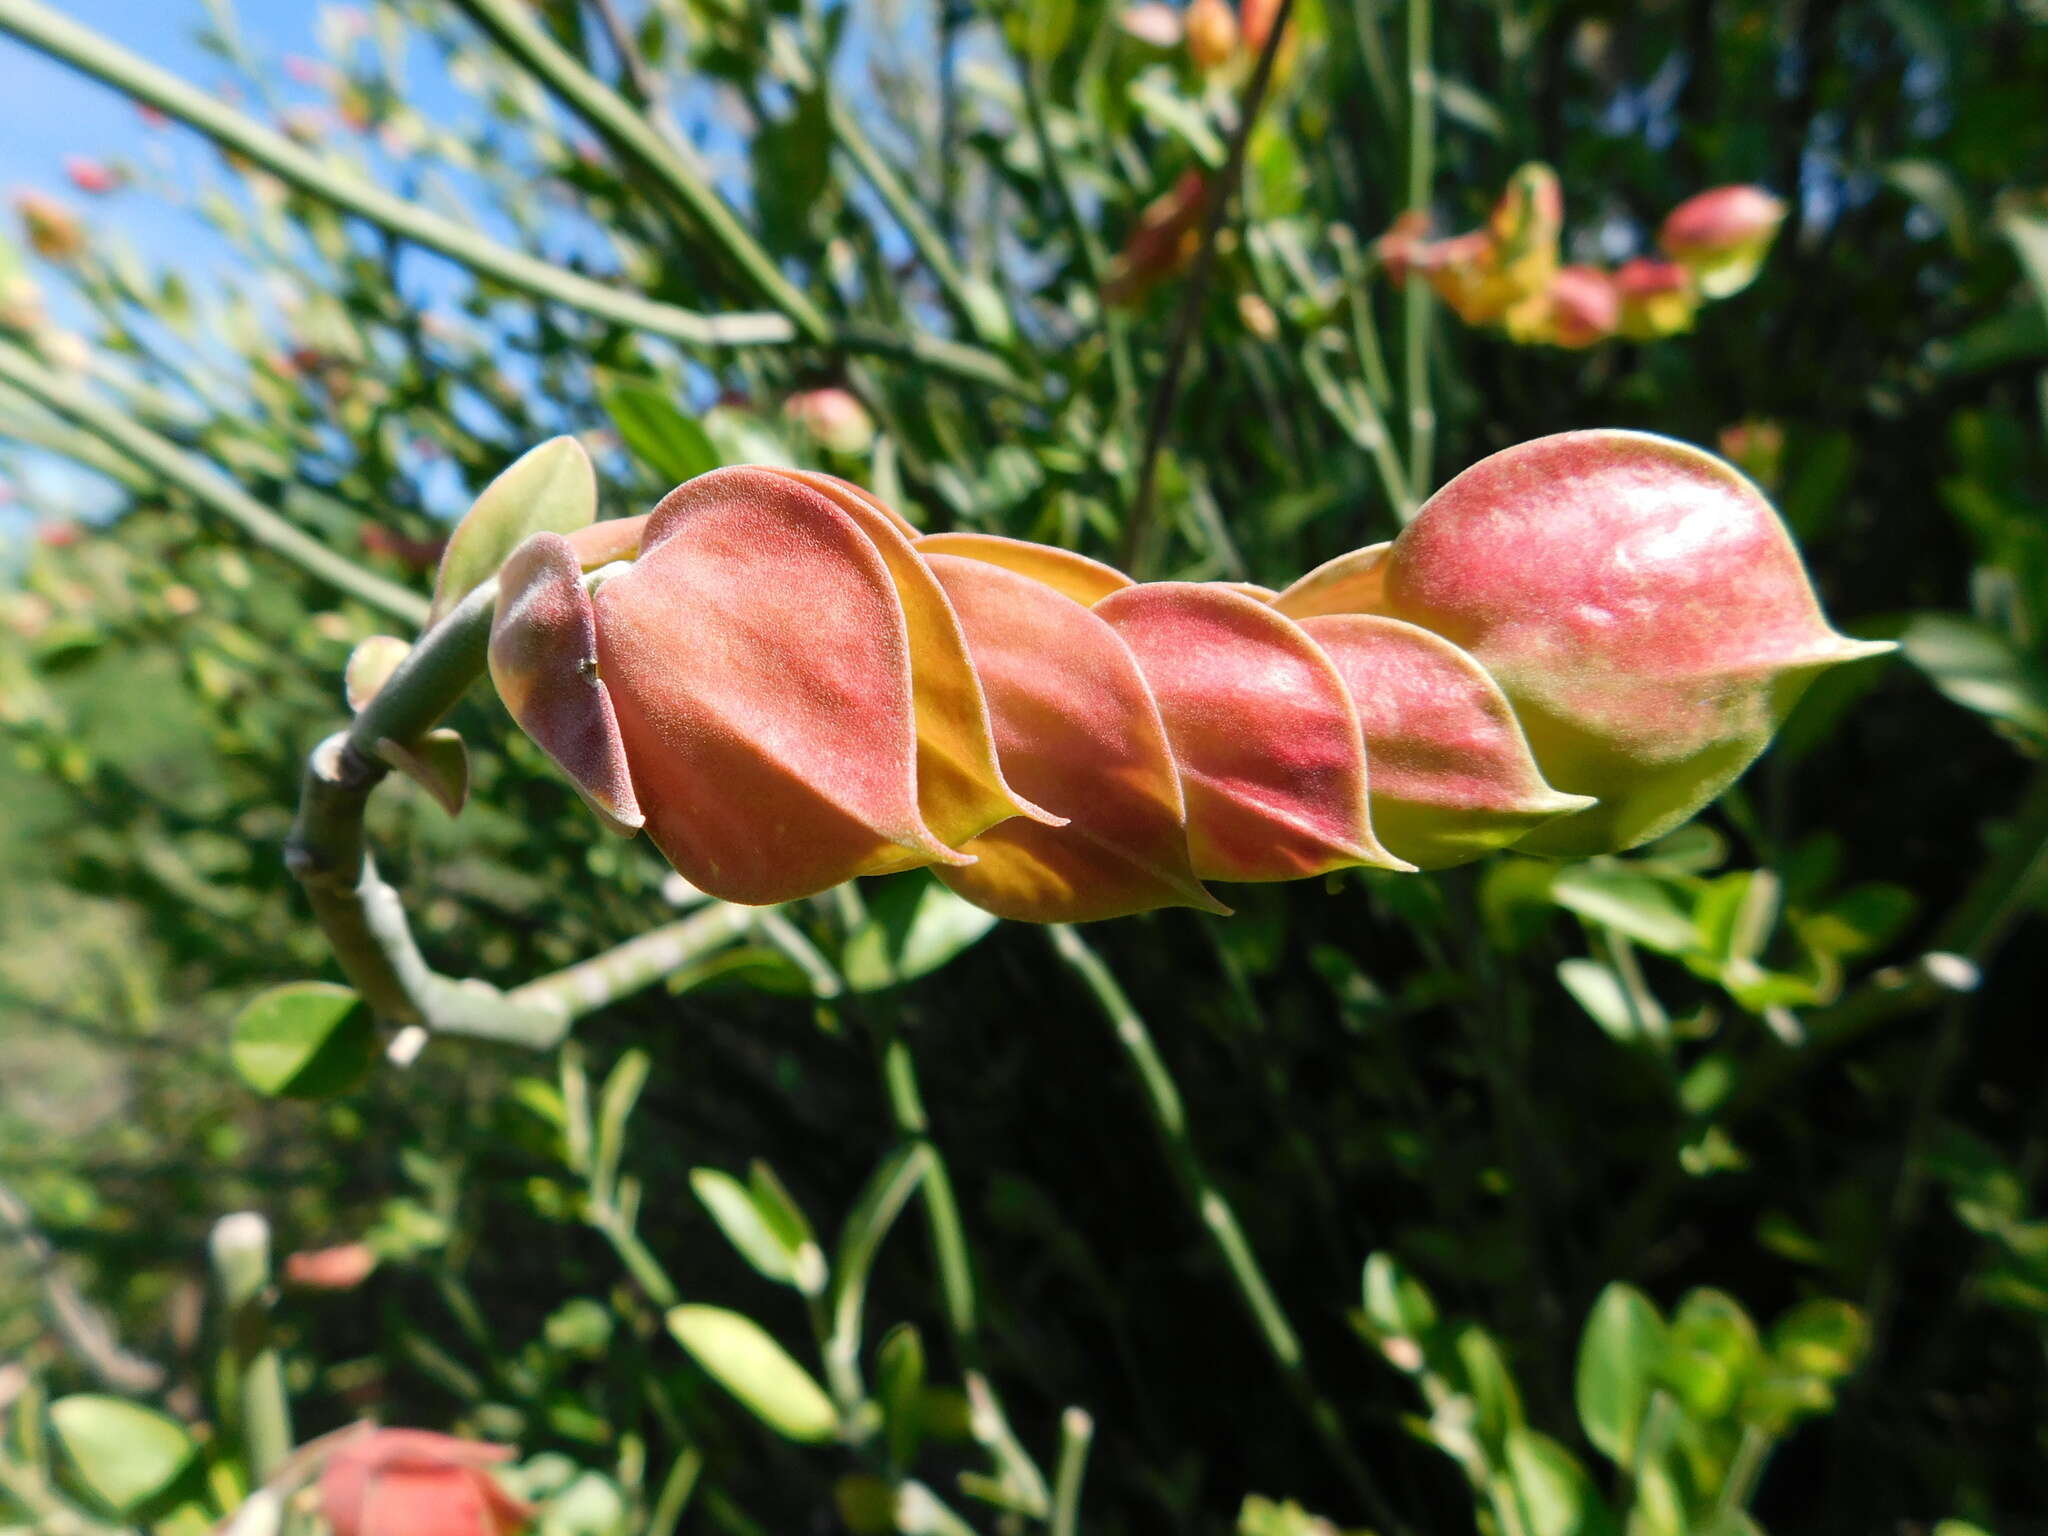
x: 152, y: 117
x: 1398, y: 247
x: 1258, y: 316
x: 1211, y: 33
x: 90, y: 175
x: 21, y: 303
x: 412, y: 1482
x: 1255, y: 20
x: 1465, y: 272
x: 1526, y: 225
x: 834, y: 418
x: 1579, y: 308
x: 52, y: 230
x: 1640, y: 605
x: 1758, y: 447
x: 1721, y: 236
x: 340, y: 1268
x: 1165, y: 238
x: 1657, y: 298
x: 1153, y: 23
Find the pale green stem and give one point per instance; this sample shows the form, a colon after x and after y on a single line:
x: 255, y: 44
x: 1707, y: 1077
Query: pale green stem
x: 1362, y: 422
x: 205, y: 484
x: 252, y: 1366
x: 85, y: 1330
x: 42, y: 27
x: 1216, y: 1216
x: 1077, y: 1430
x: 363, y: 917
x: 1421, y: 173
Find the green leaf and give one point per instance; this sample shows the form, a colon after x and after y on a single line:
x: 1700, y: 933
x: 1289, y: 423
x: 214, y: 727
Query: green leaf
x: 1396, y: 1305
x: 303, y: 1040
x: 1822, y: 1337
x: 552, y: 488
x: 124, y: 1453
x: 1618, y: 1358
x: 1975, y: 666
x: 759, y: 1239
x: 899, y: 1385
x: 2028, y: 233
x: 1645, y: 909
x: 914, y: 925
x: 861, y: 1239
x: 671, y: 444
x: 740, y: 1356
x: 1598, y: 989
x: 1489, y: 1382
x: 1556, y: 1496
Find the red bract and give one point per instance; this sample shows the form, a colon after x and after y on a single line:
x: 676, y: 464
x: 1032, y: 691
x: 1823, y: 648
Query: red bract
x: 411, y: 1482
x: 1657, y: 298
x: 1721, y: 236
x: 1579, y: 308
x: 1573, y: 647
x: 1640, y: 605
x: 1166, y: 234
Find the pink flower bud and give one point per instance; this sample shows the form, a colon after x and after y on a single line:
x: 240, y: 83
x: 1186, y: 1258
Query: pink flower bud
x: 1657, y: 298
x: 1721, y: 236
x: 340, y: 1268
x: 412, y: 1482
x: 1167, y: 232
x: 1153, y: 23
x: 1641, y: 607
x: 1579, y: 308
x: 833, y: 417
x: 90, y: 175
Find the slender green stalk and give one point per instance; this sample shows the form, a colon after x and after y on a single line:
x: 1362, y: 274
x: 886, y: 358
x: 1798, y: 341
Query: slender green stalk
x: 511, y: 23
x: 252, y: 1368
x: 1137, y: 527
x: 1420, y: 310
x: 956, y: 1273
x: 1087, y: 245
x: 909, y: 214
x: 84, y: 1329
x: 1218, y: 1219
x: 42, y: 27
x: 1362, y: 422
x: 363, y: 917
x: 205, y: 484
x: 1365, y: 327
x: 1077, y: 1430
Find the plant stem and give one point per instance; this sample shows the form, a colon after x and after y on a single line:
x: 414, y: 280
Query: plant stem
x: 512, y: 24
x: 1137, y: 527
x: 1421, y: 172
x: 363, y: 917
x: 85, y: 1330
x: 1217, y: 1218
x: 956, y: 1270
x: 41, y: 27
x: 206, y: 485
x: 1077, y: 1430
x: 907, y: 212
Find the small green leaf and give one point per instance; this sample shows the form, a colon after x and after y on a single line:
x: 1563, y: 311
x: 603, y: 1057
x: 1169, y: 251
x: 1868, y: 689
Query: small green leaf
x: 860, y: 1239
x: 675, y: 447
x: 1822, y: 1337
x: 1975, y: 666
x: 304, y: 1040
x: 1396, y: 1305
x: 1556, y: 1496
x: 551, y: 488
x: 1645, y: 909
x: 438, y: 762
x: 745, y: 1225
x: 740, y: 1356
x: 914, y: 925
x: 124, y: 1453
x: 370, y: 666
x: 1618, y: 1358
x: 899, y: 1385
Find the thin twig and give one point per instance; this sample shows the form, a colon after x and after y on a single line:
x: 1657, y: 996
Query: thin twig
x: 1217, y: 1218
x: 1138, y: 526
x: 1421, y: 173
x: 82, y: 1326
x: 206, y: 485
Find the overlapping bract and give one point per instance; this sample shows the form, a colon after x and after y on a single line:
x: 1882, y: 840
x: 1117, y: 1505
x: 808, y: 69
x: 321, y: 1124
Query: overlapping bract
x: 1575, y: 645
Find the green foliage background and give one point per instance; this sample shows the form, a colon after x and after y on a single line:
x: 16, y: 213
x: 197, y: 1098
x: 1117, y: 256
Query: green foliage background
x: 1718, y: 1073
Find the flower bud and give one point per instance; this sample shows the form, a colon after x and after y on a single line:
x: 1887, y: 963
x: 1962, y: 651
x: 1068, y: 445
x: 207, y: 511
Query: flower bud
x: 1212, y: 33
x: 90, y: 175
x: 1658, y: 298
x: 1641, y: 607
x: 833, y: 417
x: 1164, y: 239
x: 1579, y: 308
x: 52, y: 230
x: 1153, y: 23
x: 1721, y: 236
x: 1526, y: 225
x: 411, y: 1482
